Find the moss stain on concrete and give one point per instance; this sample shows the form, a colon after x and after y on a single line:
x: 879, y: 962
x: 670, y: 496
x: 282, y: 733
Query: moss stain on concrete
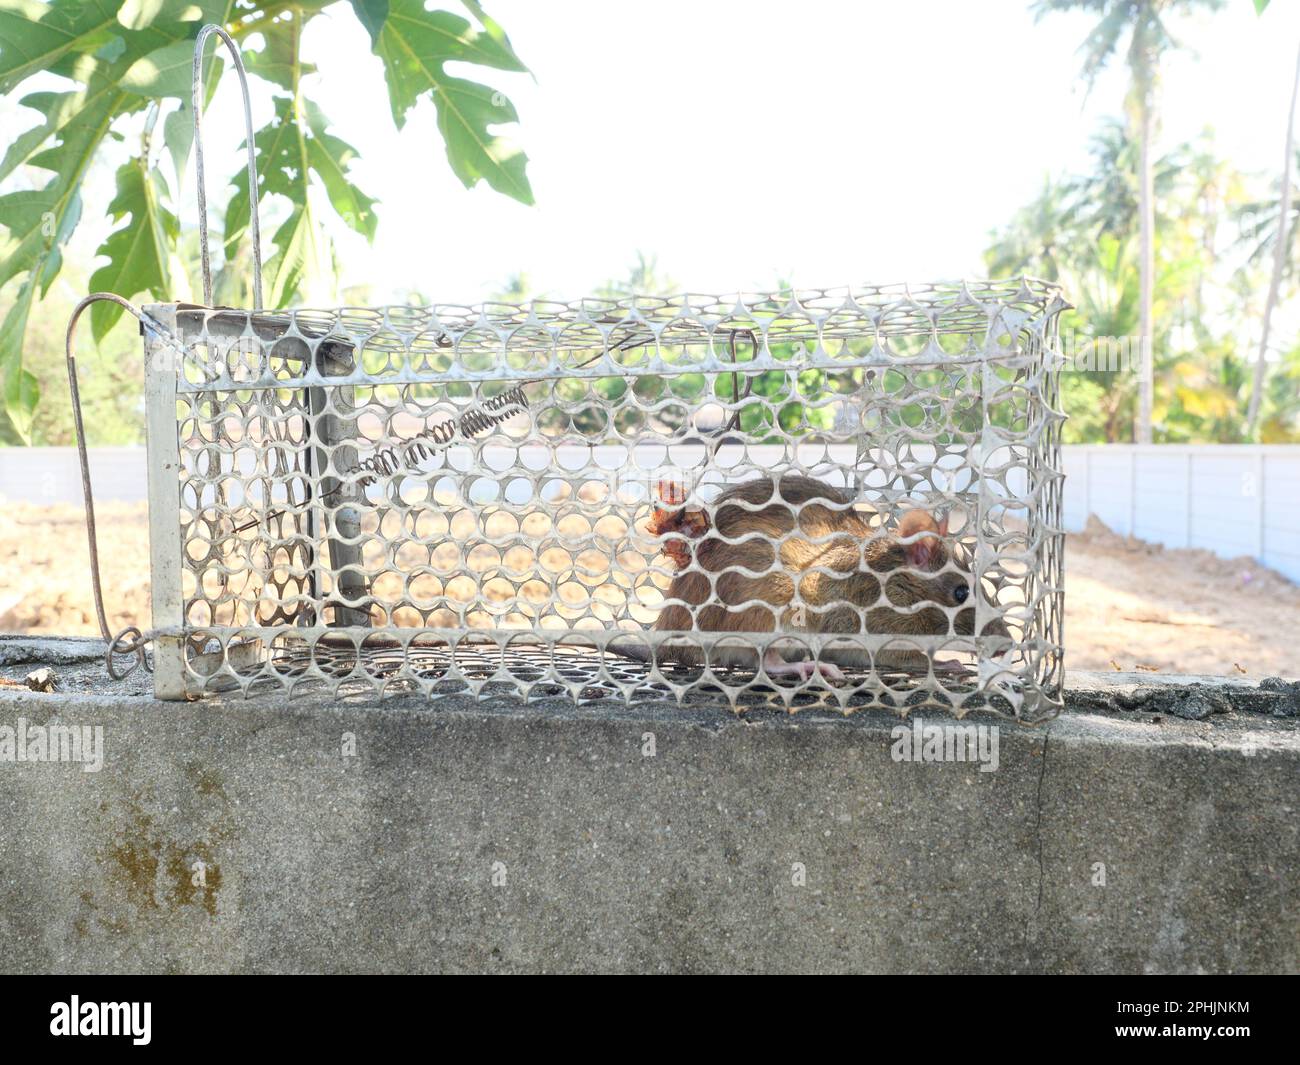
x: 190, y: 872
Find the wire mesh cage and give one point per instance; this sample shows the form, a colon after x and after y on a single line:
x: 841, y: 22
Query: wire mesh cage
x: 844, y: 496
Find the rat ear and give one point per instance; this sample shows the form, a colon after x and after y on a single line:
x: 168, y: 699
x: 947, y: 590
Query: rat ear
x: 943, y: 525
x: 921, y: 553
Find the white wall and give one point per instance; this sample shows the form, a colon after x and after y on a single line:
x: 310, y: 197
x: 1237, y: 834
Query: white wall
x: 1232, y: 499
x: 53, y: 475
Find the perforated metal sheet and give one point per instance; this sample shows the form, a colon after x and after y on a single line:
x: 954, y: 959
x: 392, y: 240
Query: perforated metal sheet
x: 515, y: 497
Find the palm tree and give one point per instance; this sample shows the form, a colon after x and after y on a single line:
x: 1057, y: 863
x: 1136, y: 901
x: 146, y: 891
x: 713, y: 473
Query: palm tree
x: 1106, y: 294
x: 1108, y: 198
x: 1279, y: 260
x: 1209, y: 191
x: 1038, y: 239
x: 1258, y: 222
x: 1144, y: 22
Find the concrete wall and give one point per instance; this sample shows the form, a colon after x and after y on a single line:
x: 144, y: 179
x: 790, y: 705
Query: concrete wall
x: 608, y: 857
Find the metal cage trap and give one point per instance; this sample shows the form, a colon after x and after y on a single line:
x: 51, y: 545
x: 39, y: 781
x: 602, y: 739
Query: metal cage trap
x: 849, y: 497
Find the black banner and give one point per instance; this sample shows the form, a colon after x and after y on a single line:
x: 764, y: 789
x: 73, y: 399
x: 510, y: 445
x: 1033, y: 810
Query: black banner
x: 207, y: 1015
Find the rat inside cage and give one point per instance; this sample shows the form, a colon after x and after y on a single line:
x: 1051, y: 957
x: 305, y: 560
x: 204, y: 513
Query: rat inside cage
x: 848, y: 496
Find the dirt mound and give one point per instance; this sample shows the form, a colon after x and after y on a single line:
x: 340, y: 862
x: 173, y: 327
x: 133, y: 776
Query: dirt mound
x: 1243, y: 573
x: 1138, y: 605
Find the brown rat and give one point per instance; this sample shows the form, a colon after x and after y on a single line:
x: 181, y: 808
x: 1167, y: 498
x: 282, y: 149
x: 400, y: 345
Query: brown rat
x: 843, y: 566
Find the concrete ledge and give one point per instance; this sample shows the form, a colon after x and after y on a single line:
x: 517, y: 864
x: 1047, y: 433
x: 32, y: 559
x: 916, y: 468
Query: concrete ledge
x: 653, y: 838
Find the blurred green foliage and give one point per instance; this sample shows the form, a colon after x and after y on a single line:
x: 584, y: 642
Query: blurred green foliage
x: 123, y: 74
x: 1215, y: 229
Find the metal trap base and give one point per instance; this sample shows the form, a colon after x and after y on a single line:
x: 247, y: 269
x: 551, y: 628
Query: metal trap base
x: 539, y: 672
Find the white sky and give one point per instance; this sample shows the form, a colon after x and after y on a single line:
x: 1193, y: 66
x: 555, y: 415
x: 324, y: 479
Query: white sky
x: 739, y: 142
x: 820, y: 141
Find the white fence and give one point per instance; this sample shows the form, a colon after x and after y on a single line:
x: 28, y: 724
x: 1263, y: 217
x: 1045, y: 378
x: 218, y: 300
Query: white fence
x: 53, y: 475
x: 1231, y: 499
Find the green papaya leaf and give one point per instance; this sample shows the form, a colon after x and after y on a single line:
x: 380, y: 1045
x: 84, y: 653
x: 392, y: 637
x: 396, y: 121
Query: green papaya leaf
x: 33, y: 36
x: 137, y: 14
x: 275, y: 60
x: 330, y: 158
x: 19, y: 390
x: 102, y: 61
x: 288, y: 153
x: 415, y: 45
x: 178, y: 136
x: 371, y: 14
x: 169, y: 71
x: 138, y: 252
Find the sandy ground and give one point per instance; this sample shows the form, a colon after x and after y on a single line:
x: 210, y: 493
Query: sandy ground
x: 1129, y: 605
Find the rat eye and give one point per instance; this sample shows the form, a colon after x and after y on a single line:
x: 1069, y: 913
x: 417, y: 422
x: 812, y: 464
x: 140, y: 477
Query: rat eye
x: 960, y: 593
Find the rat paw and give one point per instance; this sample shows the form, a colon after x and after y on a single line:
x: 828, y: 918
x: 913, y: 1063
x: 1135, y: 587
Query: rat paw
x: 805, y: 669
x: 831, y: 671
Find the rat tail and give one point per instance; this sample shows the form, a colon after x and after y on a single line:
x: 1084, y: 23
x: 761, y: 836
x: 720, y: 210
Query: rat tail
x: 637, y: 652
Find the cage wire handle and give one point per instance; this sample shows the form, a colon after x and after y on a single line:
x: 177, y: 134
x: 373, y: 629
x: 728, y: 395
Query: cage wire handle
x: 197, y: 104
x: 734, y: 424
x: 131, y: 640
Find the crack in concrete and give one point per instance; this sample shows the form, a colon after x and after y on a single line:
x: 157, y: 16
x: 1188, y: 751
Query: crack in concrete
x: 1038, y: 836
x: 1038, y: 821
